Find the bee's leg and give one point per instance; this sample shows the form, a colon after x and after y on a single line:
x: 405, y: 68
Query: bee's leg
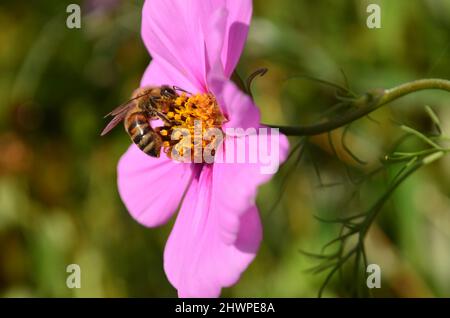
x: 151, y: 109
x: 164, y: 118
x: 154, y: 101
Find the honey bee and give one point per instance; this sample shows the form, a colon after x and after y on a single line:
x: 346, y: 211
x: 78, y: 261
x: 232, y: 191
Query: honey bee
x: 147, y: 103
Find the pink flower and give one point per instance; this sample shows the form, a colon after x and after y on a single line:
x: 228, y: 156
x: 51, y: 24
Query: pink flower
x: 195, y: 45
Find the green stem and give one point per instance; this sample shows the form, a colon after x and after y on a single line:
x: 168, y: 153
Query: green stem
x: 366, y: 104
x: 379, y: 204
x: 365, y: 225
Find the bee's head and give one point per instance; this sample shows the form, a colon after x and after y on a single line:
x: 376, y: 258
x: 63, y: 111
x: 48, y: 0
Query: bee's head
x: 168, y: 92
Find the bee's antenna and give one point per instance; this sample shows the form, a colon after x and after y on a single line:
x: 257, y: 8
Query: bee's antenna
x: 176, y: 88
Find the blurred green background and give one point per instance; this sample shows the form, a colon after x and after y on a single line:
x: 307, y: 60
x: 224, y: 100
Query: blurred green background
x: 58, y: 196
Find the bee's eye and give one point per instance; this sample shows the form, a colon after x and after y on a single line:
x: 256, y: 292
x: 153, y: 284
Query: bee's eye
x: 168, y: 92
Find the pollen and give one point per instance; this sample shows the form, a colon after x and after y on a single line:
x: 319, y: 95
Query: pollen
x: 190, y: 117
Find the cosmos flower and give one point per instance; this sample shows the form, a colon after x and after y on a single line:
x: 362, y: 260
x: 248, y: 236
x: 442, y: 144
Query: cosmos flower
x: 195, y: 45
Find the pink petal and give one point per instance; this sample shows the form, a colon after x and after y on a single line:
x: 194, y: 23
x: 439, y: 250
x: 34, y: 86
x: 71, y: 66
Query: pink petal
x: 191, y: 35
x: 239, y: 16
x: 235, y: 185
x: 161, y: 73
x: 225, y: 25
x: 237, y: 106
x: 172, y: 32
x: 196, y: 260
x: 151, y: 188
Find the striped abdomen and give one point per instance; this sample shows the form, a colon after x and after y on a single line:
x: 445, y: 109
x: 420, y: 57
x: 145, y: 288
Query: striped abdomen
x: 142, y: 134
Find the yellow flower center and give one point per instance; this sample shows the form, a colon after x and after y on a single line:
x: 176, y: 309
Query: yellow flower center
x: 190, y: 116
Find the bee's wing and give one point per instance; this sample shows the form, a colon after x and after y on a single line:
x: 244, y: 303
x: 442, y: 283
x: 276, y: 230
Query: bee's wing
x: 125, y: 105
x: 122, y: 108
x: 119, y: 114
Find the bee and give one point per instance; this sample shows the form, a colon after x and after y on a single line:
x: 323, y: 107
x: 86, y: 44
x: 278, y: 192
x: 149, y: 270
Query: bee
x: 147, y: 103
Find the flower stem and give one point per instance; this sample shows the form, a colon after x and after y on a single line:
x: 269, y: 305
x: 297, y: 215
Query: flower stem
x: 365, y: 104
